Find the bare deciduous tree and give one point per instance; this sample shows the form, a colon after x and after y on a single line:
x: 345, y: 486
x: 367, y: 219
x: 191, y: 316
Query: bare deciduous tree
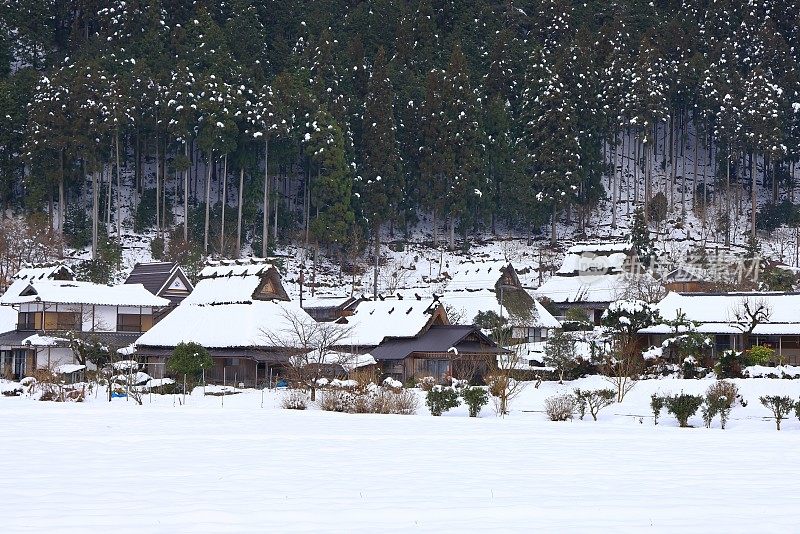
x: 312, y: 348
x: 747, y: 315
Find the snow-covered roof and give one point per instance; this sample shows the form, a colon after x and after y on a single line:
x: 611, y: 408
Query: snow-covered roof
x: 716, y: 312
x: 69, y: 292
x: 595, y: 259
x: 68, y: 368
x: 222, y: 325
x: 37, y: 340
x: 222, y: 312
x: 586, y: 289
x: 543, y: 318
x: 43, y: 272
x: 374, y: 320
x: 244, y: 267
x: 468, y: 304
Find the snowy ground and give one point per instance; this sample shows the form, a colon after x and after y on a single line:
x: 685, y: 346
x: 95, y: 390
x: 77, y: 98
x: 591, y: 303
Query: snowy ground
x: 204, y: 467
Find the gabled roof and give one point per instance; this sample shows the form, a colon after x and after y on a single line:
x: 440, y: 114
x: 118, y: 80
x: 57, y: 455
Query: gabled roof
x: 595, y: 259
x: 69, y: 292
x: 584, y: 289
x: 233, y: 305
x: 45, y: 271
x: 157, y: 277
x: 393, y: 317
x: 440, y: 339
x: 716, y: 312
x: 8, y: 319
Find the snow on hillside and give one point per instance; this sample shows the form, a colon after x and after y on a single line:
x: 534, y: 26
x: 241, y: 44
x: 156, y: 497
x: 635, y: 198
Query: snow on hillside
x: 240, y: 467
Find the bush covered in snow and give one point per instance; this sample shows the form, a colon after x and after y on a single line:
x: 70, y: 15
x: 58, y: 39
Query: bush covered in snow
x: 426, y: 383
x: 295, y: 400
x: 441, y: 399
x: 559, y: 407
x: 336, y: 400
x: 730, y: 364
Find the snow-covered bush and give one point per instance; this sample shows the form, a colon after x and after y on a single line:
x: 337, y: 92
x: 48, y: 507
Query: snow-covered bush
x: 440, y: 399
x: 559, y: 407
x: 295, y: 400
x: 730, y: 364
x: 780, y: 406
x: 475, y: 397
x: 595, y: 400
x: 689, y: 367
x: 426, y: 383
x: 683, y: 406
x: 720, y: 399
x: 336, y: 400
x: 405, y: 402
x: 392, y: 384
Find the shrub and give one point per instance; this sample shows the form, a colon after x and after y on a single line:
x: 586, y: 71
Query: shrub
x: 759, y: 355
x: 720, y: 398
x: 594, y: 400
x: 392, y: 384
x: 559, y: 352
x: 406, y: 402
x: 426, y: 383
x: 336, y: 400
x: 689, y: 367
x: 559, y: 407
x: 189, y: 360
x: 475, y: 398
x: 683, y: 406
x: 657, y: 208
x: 780, y: 407
x: 730, y: 364
x: 295, y: 400
x: 441, y: 399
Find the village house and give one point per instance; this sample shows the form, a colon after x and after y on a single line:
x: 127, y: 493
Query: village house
x: 51, y: 312
x: 413, y: 337
x: 39, y: 271
x: 591, y: 277
x: 737, y: 321
x: 231, y: 311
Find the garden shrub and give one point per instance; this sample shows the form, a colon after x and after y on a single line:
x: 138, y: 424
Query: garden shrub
x: 683, y: 406
x: 595, y: 400
x: 780, y: 406
x: 441, y: 399
x: 689, y: 367
x: 730, y: 364
x: 426, y: 383
x: 759, y: 355
x: 559, y: 407
x: 719, y: 399
x: 336, y: 400
x: 475, y: 398
x: 295, y: 400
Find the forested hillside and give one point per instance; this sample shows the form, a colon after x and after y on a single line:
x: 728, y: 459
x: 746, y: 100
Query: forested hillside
x: 331, y: 122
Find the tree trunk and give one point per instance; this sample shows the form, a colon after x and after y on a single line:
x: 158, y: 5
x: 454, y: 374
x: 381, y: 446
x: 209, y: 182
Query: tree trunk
x: 614, y: 183
x: 265, y: 220
x: 186, y: 195
x: 239, y: 215
x: 62, y: 208
x: 119, y: 197
x: 158, y: 191
x: 208, y: 200
x: 224, y: 201
x: 95, y: 213
x: 553, y: 236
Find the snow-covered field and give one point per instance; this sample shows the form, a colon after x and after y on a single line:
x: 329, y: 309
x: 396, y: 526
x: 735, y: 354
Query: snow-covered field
x: 202, y: 467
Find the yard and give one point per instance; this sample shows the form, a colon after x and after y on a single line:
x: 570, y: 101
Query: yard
x: 240, y: 467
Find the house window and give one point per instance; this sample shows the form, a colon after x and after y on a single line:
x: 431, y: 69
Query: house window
x: 129, y: 322
x: 19, y: 362
x: 722, y: 342
x: 536, y: 335
x: 30, y: 321
x: 231, y: 362
x: 437, y: 368
x: 68, y: 321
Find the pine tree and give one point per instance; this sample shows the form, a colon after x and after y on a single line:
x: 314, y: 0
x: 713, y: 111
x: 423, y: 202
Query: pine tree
x: 380, y: 181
